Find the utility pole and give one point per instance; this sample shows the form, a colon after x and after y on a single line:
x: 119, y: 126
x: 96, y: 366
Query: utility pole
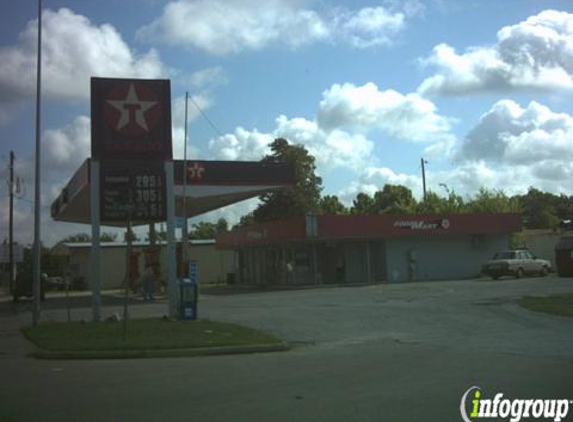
x: 424, y: 176
x: 11, y: 226
x: 37, y: 243
x: 184, y: 251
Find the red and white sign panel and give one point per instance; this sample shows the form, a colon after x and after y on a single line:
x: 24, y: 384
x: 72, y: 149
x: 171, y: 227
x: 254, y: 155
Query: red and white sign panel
x: 131, y: 119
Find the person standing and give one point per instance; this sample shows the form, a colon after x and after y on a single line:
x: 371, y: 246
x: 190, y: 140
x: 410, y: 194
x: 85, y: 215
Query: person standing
x: 148, y: 283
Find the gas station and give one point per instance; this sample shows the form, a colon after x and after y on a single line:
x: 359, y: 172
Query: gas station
x: 131, y: 178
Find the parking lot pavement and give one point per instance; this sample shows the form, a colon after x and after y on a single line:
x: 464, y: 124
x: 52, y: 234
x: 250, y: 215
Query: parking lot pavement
x: 397, y: 352
x: 474, y: 315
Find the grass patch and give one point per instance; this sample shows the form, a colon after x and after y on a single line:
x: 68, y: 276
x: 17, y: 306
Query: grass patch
x: 561, y: 304
x: 143, y: 334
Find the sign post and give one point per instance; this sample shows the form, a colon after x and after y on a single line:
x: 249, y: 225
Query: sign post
x: 95, y: 255
x: 172, y: 290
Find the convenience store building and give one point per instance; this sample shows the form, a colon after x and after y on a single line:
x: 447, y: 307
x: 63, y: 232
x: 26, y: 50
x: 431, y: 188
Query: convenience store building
x: 367, y: 248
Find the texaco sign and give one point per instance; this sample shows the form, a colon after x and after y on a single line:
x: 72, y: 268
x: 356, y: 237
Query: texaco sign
x: 131, y: 119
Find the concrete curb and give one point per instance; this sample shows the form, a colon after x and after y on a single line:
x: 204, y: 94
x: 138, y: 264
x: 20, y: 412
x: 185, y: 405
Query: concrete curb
x: 166, y: 353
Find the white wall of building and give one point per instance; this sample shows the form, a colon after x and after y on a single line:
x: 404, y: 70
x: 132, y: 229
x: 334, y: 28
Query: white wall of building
x: 213, y: 264
x: 440, y: 258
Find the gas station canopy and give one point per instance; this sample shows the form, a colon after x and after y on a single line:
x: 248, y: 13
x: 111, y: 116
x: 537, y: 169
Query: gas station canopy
x: 209, y: 185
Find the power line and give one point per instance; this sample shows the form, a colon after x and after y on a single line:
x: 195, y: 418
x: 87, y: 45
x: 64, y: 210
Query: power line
x: 29, y: 201
x: 206, y: 117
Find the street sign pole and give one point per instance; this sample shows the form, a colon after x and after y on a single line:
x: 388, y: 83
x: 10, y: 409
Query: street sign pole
x: 171, y: 260
x: 95, y: 255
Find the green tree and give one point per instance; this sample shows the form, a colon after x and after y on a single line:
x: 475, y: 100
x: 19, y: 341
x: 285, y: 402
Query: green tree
x: 76, y: 238
x: 304, y: 197
x: 202, y: 230
x: 362, y: 204
x: 539, y: 209
x: 207, y: 230
x: 330, y: 204
x: 108, y: 237
x: 564, y: 206
x: 454, y: 203
x: 487, y: 201
x: 84, y: 238
x: 394, y: 199
x: 433, y: 204
x: 245, y: 220
x: 222, y: 225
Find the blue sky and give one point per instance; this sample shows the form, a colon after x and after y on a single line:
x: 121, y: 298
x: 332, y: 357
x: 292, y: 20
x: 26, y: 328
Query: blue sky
x: 482, y: 89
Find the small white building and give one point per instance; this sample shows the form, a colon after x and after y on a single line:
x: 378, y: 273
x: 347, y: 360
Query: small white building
x: 214, y: 265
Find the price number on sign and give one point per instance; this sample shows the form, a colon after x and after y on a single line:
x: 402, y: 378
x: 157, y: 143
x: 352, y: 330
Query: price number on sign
x: 148, y: 195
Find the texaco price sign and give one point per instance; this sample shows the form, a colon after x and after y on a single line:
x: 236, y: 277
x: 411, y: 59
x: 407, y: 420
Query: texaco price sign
x: 131, y: 137
x: 136, y: 188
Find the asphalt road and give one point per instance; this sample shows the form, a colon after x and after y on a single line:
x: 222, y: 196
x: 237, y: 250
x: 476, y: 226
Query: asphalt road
x: 394, y: 352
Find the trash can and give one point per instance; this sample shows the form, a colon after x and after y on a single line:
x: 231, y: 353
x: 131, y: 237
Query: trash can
x: 188, y: 293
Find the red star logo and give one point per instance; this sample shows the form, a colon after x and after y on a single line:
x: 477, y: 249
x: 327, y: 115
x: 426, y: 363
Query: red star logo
x: 195, y: 172
x: 132, y: 109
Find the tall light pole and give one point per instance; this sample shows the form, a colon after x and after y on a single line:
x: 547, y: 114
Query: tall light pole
x: 424, y: 162
x: 37, y: 242
x: 11, y: 226
x: 184, y: 255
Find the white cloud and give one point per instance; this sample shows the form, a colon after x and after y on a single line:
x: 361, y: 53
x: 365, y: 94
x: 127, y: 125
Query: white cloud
x: 511, y: 148
x: 221, y: 27
x: 73, y: 50
x: 54, y: 176
x: 8, y: 109
x: 373, y: 179
x: 210, y: 77
x: 330, y: 149
x: 369, y: 27
x: 513, y: 135
x: 21, y: 222
x: 407, y: 117
x: 51, y: 231
x: 534, y: 54
x: 178, y: 123
x: 337, y: 138
x: 231, y: 213
x: 243, y: 145
x: 66, y: 148
x: 467, y: 179
x: 546, y: 175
